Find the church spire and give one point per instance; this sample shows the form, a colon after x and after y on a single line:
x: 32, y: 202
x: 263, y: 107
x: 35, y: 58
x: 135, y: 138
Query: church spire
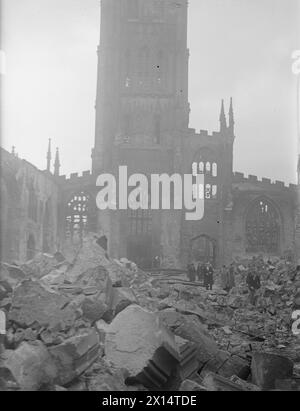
x: 223, y: 123
x: 49, y: 156
x: 56, y: 163
x: 231, y: 117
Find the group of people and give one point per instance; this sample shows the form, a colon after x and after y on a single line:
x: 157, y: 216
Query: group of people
x: 203, y: 272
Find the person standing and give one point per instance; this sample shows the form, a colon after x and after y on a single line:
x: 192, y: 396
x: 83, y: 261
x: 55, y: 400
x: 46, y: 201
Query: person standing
x: 209, y: 277
x: 253, y: 282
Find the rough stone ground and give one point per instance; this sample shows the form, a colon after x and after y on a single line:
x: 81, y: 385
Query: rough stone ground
x: 84, y: 322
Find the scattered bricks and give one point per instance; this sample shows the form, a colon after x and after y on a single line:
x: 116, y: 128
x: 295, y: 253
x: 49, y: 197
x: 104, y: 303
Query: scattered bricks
x: 75, y: 355
x: 34, y: 304
x: 267, y: 368
x: 30, y: 366
x: 122, y: 298
x: 137, y: 342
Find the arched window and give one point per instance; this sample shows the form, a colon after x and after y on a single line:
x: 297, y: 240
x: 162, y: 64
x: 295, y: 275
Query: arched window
x: 208, y: 168
x: 206, y: 163
x: 77, y: 216
x: 30, y: 247
x: 215, y: 170
x: 263, y: 228
x: 32, y: 202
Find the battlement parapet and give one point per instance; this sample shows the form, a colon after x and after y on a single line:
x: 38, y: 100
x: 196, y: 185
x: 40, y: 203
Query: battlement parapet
x: 241, y: 178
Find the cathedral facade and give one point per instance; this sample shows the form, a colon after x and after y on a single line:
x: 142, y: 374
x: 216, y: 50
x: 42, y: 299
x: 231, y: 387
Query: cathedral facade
x: 142, y: 122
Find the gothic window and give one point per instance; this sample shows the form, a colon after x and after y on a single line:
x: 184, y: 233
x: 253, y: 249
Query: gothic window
x: 30, y: 247
x: 215, y: 170
x: 208, y: 167
x: 206, y: 163
x: 77, y: 216
x: 32, y: 203
x: 133, y: 9
x: 263, y: 228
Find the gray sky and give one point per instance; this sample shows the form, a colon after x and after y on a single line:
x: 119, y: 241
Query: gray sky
x: 239, y: 48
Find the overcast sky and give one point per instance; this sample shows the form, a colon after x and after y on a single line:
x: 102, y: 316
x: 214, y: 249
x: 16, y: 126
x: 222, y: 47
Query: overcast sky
x: 239, y: 48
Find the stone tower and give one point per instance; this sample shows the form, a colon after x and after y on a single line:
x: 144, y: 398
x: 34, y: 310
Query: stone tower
x: 142, y: 111
x: 142, y: 93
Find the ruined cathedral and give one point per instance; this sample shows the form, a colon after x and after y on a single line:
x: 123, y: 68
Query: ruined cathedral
x: 142, y: 121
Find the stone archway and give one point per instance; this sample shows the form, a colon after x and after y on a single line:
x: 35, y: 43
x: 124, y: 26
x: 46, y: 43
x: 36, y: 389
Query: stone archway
x: 203, y: 249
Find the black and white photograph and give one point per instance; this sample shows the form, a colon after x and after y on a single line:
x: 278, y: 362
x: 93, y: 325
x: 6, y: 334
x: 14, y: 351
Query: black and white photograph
x: 150, y: 198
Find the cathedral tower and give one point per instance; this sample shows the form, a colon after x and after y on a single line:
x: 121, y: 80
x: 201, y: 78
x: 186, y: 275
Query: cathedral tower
x: 142, y: 92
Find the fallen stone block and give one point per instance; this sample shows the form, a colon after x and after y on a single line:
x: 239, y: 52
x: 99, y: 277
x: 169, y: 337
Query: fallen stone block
x: 75, y: 355
x: 137, y: 341
x: 267, y: 368
x: 246, y: 385
x: 122, y: 298
x: 217, y: 383
x: 34, y: 304
x: 189, y: 385
x: 30, y: 366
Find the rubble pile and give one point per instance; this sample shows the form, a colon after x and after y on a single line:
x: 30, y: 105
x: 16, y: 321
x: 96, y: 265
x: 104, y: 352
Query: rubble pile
x: 80, y: 321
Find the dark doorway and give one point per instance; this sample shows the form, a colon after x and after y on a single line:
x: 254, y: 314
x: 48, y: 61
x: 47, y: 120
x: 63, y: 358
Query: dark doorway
x: 140, y: 244
x: 203, y: 249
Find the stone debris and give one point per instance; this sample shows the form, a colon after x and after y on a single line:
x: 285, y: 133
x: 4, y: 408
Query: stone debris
x: 137, y: 342
x: 80, y: 321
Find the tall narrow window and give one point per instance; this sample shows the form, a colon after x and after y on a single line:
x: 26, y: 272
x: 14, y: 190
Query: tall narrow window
x: 263, y: 228
x: 77, y: 216
x: 207, y: 164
